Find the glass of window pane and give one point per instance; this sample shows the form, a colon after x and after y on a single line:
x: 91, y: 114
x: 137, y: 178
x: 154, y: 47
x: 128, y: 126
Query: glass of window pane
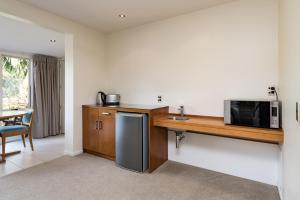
x: 15, y: 83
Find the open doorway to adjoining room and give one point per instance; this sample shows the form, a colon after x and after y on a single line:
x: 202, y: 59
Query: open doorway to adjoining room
x: 32, y: 79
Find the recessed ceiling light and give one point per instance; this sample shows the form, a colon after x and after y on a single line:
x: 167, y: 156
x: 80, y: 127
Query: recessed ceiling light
x: 53, y: 41
x: 122, y: 15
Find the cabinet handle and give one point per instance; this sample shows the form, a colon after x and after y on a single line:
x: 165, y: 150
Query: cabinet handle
x: 97, y: 125
x: 100, y: 126
x: 106, y: 113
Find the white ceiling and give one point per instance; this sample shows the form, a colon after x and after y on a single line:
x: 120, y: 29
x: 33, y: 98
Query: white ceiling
x: 103, y: 14
x: 21, y: 37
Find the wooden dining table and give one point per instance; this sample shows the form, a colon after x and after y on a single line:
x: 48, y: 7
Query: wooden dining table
x: 7, y: 114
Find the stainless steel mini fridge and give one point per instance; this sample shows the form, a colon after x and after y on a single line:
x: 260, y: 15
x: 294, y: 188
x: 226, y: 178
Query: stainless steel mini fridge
x: 132, y: 141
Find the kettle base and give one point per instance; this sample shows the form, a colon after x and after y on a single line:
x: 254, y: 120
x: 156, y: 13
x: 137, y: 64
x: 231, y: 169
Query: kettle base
x: 112, y: 104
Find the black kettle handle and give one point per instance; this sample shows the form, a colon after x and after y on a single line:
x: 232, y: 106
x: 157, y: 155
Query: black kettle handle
x: 103, y: 97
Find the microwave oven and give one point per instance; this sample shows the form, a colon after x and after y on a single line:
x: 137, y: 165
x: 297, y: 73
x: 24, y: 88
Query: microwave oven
x: 261, y: 114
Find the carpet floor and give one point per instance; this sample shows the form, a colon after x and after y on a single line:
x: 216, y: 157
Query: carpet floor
x: 88, y: 177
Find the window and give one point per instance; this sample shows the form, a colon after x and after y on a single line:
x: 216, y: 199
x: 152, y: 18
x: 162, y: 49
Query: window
x: 15, y: 82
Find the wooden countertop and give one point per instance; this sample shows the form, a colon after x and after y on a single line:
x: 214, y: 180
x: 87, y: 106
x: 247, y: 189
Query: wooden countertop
x: 215, y: 126
x: 137, y: 108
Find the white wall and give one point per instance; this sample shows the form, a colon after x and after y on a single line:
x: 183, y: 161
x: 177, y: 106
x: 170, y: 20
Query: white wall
x: 198, y: 60
x: 290, y: 94
x: 84, y: 59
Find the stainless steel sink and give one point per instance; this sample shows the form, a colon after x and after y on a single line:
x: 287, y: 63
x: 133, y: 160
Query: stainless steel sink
x: 178, y: 118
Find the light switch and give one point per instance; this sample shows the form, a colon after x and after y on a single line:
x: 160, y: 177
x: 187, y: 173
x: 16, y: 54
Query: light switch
x: 298, y: 111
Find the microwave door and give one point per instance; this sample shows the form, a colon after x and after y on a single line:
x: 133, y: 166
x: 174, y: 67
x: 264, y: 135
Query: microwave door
x: 248, y: 110
x: 242, y: 113
x: 264, y: 115
x: 250, y: 113
x: 235, y: 115
x: 261, y: 115
x: 256, y: 113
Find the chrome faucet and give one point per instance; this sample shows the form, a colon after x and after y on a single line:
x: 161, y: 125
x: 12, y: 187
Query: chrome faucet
x: 181, y: 109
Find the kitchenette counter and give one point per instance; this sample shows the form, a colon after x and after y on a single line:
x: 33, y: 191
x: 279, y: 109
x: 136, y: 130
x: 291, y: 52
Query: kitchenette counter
x: 215, y: 126
x: 99, y: 130
x: 136, y: 108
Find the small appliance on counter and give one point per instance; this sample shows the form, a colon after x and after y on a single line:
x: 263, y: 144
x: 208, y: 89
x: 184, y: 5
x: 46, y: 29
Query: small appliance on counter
x: 108, y: 99
x: 261, y: 114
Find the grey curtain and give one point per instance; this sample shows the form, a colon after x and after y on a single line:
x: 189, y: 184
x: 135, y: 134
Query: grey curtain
x: 45, y: 97
x: 61, y: 68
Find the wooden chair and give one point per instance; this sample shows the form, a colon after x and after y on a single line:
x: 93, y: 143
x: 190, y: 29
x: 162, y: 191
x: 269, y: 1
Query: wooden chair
x: 15, y: 130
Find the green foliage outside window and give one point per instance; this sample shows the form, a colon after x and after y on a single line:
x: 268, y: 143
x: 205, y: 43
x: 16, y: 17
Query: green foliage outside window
x: 15, y: 84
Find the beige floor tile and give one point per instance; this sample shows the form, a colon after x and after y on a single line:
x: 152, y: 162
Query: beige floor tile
x: 8, y: 168
x: 45, y: 149
x: 24, y: 160
x: 14, y: 146
x: 44, y: 155
x: 48, y: 148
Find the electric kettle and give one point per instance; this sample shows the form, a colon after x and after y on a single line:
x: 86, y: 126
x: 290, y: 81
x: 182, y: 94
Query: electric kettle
x: 107, y: 99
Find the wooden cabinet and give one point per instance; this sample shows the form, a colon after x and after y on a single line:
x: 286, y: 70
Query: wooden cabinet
x: 90, y: 129
x: 107, y: 132
x: 99, y: 131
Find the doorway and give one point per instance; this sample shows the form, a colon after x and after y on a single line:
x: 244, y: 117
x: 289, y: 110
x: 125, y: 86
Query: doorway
x: 17, y: 53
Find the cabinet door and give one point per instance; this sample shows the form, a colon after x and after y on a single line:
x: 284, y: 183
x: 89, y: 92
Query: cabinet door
x: 107, y: 132
x: 90, y: 129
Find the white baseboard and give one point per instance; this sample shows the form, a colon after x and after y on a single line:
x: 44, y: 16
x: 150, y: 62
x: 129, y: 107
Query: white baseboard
x: 280, y: 193
x: 76, y: 153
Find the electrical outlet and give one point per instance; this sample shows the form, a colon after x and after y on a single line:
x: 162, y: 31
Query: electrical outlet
x: 272, y: 90
x: 159, y: 98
